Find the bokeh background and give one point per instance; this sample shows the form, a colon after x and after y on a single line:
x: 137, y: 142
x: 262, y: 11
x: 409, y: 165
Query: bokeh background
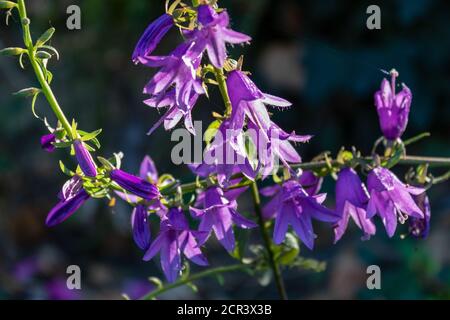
x: 318, y: 54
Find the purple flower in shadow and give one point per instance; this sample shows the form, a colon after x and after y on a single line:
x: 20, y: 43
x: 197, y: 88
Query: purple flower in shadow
x: 391, y: 199
x: 175, y: 238
x: 47, y: 142
x: 219, y: 214
x: 135, y: 185
x: 85, y: 159
x: 351, y: 201
x: 420, y: 227
x: 213, y: 33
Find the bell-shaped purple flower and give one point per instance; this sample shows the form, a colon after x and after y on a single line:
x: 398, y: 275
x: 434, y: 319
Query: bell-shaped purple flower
x: 213, y: 33
x: 47, y: 142
x: 351, y: 201
x: 393, y: 108
x: 294, y: 206
x: 84, y: 159
x: 72, y: 197
x: 151, y: 38
x: 218, y: 215
x: 309, y: 182
x: 391, y: 199
x: 137, y: 186
x: 418, y: 227
x: 140, y: 227
x: 175, y: 238
x: 272, y: 143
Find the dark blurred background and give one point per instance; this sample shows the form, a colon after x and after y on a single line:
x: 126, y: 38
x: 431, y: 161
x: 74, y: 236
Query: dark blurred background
x: 318, y: 54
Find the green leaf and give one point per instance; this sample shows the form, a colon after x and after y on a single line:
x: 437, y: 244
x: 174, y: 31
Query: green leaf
x: 63, y: 145
x: 46, y: 36
x: 12, y: 51
x: 290, y: 250
x: 106, y: 163
x: 27, y: 92
x: 33, y: 105
x: 7, y: 4
x: 65, y: 170
x: 211, y: 131
x: 89, y: 136
x: 53, y: 50
x: 43, y: 55
x: 157, y: 282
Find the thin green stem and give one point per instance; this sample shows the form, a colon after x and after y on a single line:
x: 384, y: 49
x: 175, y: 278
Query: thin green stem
x: 222, y: 82
x: 268, y: 243
x: 45, y: 87
x: 194, y: 277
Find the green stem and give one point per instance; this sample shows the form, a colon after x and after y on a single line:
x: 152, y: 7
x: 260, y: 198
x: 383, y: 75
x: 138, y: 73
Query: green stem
x: 222, y: 82
x: 197, y: 276
x: 45, y: 87
x: 268, y: 243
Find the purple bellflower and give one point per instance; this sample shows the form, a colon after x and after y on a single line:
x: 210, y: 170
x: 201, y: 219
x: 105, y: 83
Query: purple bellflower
x: 218, y: 215
x: 140, y: 227
x: 213, y: 33
x: 151, y: 38
x: 419, y: 228
x: 175, y: 238
x: 135, y: 185
x: 72, y: 197
x: 47, y: 142
x: 85, y: 159
x: 351, y: 201
x: 297, y: 208
x: 176, y: 85
x: 391, y: 199
x: 309, y: 182
x: 270, y: 140
x: 393, y: 109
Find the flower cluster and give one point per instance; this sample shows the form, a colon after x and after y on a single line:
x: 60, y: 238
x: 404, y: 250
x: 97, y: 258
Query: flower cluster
x: 246, y: 146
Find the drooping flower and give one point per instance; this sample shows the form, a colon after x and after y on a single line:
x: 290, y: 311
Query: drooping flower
x: 225, y: 156
x: 271, y: 142
x: 175, y: 238
x: 419, y: 228
x: 351, y: 201
x: 213, y: 33
x: 391, y: 199
x: 309, y: 182
x: 72, y: 197
x: 297, y: 208
x: 47, y: 142
x: 393, y: 108
x: 137, y: 186
x: 151, y: 38
x: 84, y: 159
x: 176, y: 85
x: 218, y: 215
x: 140, y: 227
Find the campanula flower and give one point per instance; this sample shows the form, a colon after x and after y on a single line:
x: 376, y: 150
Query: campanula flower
x: 391, y: 199
x: 151, y: 38
x: 175, y: 238
x: 218, y: 215
x: 309, y: 182
x: 72, y: 197
x: 419, y: 227
x: 140, y: 227
x: 213, y: 33
x: 47, y: 142
x: 351, y: 201
x: 135, y: 185
x: 84, y: 159
x: 393, y: 108
x: 272, y: 143
x: 295, y: 207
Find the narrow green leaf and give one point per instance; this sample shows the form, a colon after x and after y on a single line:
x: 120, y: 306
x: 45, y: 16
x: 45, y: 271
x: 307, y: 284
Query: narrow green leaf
x: 7, y: 4
x: 211, y: 131
x: 53, y: 50
x: 46, y: 36
x: 90, y: 136
x: 65, y: 170
x: 43, y: 55
x: 27, y: 92
x: 33, y: 106
x: 12, y: 51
